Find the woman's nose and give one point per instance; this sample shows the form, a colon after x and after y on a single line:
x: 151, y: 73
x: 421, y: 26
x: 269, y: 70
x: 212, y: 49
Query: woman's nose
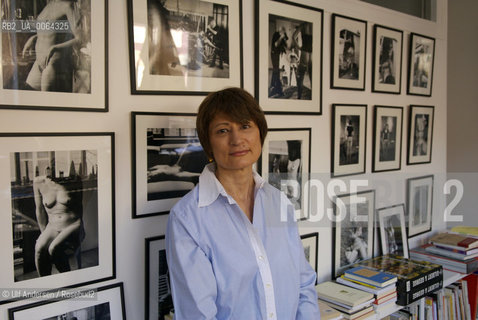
x: 236, y: 136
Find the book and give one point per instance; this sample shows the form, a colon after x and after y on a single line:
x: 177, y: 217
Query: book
x: 375, y: 278
x: 344, y: 308
x: 462, y: 251
x: 448, y: 253
x: 466, y: 300
x: 358, y: 285
x: 471, y: 231
x: 462, y: 266
x: 344, y: 294
x: 454, y: 240
x: 328, y: 313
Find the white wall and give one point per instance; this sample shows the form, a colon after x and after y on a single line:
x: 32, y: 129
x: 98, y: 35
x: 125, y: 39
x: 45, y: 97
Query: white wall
x: 131, y: 233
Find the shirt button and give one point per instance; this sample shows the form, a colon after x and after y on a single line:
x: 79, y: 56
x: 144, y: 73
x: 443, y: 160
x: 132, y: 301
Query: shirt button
x: 271, y: 315
x: 261, y: 258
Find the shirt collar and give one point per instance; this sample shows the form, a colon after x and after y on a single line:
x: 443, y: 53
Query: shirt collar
x: 210, y: 188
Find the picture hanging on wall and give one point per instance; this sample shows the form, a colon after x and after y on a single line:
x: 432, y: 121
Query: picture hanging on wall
x: 349, y: 129
x: 285, y: 164
x: 387, y: 138
x: 288, y: 56
x: 187, y: 47
x: 159, y: 302
x: 420, y: 134
x: 353, y: 228
x: 52, y: 182
x: 54, y: 55
x: 420, y: 68
x: 387, y: 60
x: 349, y: 41
x: 419, y: 205
x: 393, y: 234
x: 167, y: 160
x: 310, y: 242
x: 99, y: 303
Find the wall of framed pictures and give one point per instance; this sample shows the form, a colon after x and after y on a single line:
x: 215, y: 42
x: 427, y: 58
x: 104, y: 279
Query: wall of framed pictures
x: 386, y: 163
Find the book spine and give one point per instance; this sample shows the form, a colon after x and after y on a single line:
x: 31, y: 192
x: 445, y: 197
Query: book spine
x: 432, y: 276
x: 404, y: 298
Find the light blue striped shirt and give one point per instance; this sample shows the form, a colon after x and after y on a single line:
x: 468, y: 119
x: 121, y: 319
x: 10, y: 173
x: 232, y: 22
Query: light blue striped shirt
x: 222, y: 266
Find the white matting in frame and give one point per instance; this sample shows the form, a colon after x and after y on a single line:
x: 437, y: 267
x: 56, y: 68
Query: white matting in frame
x: 88, y: 61
x: 79, y: 159
x: 290, y: 16
x: 393, y: 234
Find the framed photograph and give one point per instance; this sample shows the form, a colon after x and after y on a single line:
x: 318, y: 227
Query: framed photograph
x: 393, y: 234
x: 57, y: 193
x: 288, y: 51
x: 387, y: 60
x: 353, y: 229
x: 158, y: 299
x: 387, y: 138
x: 108, y: 303
x: 349, y: 130
x: 187, y: 47
x: 420, y: 134
x: 310, y: 242
x: 419, y: 205
x: 54, y: 55
x: 349, y: 47
x: 285, y: 164
x: 420, y: 68
x: 167, y: 160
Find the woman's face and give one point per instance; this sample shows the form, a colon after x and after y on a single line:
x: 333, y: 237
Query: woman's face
x: 235, y: 146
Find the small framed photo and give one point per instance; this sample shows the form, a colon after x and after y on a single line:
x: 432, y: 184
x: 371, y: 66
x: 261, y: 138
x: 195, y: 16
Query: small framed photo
x: 106, y: 303
x: 420, y: 68
x: 45, y: 179
x: 420, y: 134
x: 167, y: 160
x: 285, y: 164
x: 158, y: 299
x: 310, y: 242
x: 54, y: 56
x: 349, y: 42
x: 419, y: 205
x: 288, y: 55
x: 387, y: 138
x: 349, y: 130
x: 393, y: 234
x: 387, y: 60
x: 353, y: 229
x: 187, y: 47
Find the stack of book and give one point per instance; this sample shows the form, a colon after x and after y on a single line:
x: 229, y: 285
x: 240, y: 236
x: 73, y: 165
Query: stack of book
x: 354, y: 304
x: 415, y: 279
x: 455, y: 252
x: 381, y: 284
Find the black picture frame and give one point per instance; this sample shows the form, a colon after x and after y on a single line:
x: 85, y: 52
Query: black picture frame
x: 393, y: 232
x: 310, y: 242
x: 75, y: 78
x: 299, y: 30
x: 419, y: 205
x: 348, y: 144
x: 157, y: 304
x: 347, y: 34
x: 77, y: 168
x: 188, y: 67
x: 387, y: 60
x: 387, y: 138
x: 106, y: 302
x: 420, y: 134
x: 421, y: 59
x: 156, y: 139
x: 353, y: 247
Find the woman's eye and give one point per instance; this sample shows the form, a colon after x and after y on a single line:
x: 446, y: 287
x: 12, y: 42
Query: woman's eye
x: 222, y: 130
x: 246, y: 126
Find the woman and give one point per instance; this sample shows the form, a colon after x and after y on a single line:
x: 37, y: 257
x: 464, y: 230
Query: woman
x: 230, y: 254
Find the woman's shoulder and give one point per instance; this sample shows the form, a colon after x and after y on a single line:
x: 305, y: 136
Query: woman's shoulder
x: 187, y: 204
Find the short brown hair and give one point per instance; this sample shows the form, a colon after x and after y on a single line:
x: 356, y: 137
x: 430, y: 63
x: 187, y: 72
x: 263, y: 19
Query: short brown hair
x: 236, y: 103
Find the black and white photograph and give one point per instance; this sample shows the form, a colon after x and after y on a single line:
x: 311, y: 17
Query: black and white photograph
x: 420, y: 134
x: 167, y: 160
x: 285, y: 66
x: 310, y: 242
x: 419, y: 205
x: 349, y: 39
x: 184, y: 46
x: 159, y: 302
x: 56, y: 186
x: 285, y: 164
x: 387, y: 138
x: 348, y: 139
x: 387, y: 60
x: 353, y: 227
x: 393, y: 233
x: 108, y: 304
x: 420, y: 68
x: 52, y: 53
